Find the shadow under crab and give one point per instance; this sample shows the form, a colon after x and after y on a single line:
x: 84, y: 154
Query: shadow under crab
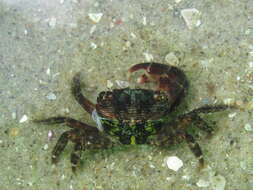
x: 134, y: 116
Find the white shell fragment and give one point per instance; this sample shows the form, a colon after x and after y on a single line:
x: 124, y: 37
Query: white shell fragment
x: 109, y: 84
x: 218, y: 182
x: 172, y: 59
x: 95, y: 17
x: 149, y: 57
x: 52, y: 22
x: 250, y: 65
x: 231, y: 115
x: 191, y: 17
x: 248, y: 127
x: 174, y: 163
x: 51, y: 96
x: 23, y: 119
x: 202, y: 183
x: 93, y: 45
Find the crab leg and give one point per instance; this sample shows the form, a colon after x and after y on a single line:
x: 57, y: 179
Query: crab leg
x: 170, y: 79
x: 77, y: 93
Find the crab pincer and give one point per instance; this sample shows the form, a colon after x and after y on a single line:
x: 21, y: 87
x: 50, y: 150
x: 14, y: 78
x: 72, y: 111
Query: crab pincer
x: 169, y: 79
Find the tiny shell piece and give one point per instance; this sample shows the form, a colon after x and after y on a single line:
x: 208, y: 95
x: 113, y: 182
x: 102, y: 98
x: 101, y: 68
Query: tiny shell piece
x: 149, y: 57
x: 95, y: 17
x: 248, y: 127
x: 191, y: 17
x: 174, y: 163
x: 109, y: 84
x: 52, y: 22
x: 202, y: 183
x: 218, y: 182
x: 172, y: 59
x: 23, y: 119
x: 51, y: 96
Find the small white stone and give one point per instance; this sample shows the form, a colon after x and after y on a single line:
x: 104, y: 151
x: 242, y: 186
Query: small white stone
x: 248, y: 127
x: 247, y: 32
x: 144, y: 22
x: 61, y: 1
x: 95, y: 17
x: 92, y: 29
x: 174, y: 163
x: 231, y: 115
x: 218, y: 182
x: 109, y: 84
x: 149, y: 57
x: 191, y: 17
x: 48, y: 71
x: 122, y: 84
x: 133, y: 35
x: 52, y: 22
x: 178, y: 1
x: 45, y: 147
x: 23, y: 119
x: 14, y: 115
x: 51, y: 96
x: 202, y: 183
x: 229, y: 101
x: 172, y: 59
x: 93, y: 45
x: 250, y: 64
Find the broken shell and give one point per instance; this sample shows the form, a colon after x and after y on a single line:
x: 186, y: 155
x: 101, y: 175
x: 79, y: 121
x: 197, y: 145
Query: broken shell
x: 191, y: 17
x: 23, y: 119
x: 172, y: 59
x: 174, y: 163
x: 95, y: 17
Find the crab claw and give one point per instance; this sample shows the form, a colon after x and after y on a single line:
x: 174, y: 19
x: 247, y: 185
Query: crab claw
x: 170, y: 79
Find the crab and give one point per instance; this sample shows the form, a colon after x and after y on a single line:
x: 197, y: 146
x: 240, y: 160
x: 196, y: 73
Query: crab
x: 135, y: 116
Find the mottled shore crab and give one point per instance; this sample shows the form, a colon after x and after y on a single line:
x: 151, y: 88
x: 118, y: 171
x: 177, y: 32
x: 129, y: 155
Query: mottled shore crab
x: 134, y: 116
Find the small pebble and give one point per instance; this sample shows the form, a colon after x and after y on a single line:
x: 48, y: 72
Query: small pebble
x: 178, y: 1
x: 248, y: 127
x: 202, y: 183
x: 93, y: 45
x: 50, y: 135
x: 92, y: 29
x: 149, y: 57
x: 250, y: 64
x: 51, y: 96
x: 109, y: 84
x: 14, y: 132
x: 23, y: 119
x: 144, y: 22
x: 45, y: 147
x: 14, y: 115
x: 229, y: 101
x: 172, y: 59
x: 218, y: 182
x: 48, y: 71
x: 231, y: 115
x: 52, y: 22
x: 174, y: 163
x: 95, y: 17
